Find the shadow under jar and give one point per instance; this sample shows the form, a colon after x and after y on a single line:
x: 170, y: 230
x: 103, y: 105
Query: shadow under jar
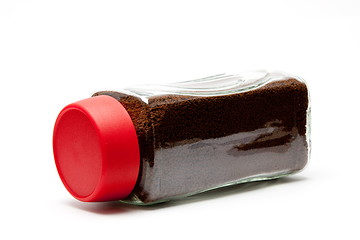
x: 203, y: 134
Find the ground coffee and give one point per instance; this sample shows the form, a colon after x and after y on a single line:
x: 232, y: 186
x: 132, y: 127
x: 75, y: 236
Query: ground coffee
x: 190, y: 143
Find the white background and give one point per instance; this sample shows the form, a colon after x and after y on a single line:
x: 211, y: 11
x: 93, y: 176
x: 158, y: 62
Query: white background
x: 55, y: 52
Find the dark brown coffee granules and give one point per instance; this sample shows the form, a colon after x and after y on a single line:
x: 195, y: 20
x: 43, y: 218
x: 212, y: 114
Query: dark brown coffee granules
x: 192, y: 143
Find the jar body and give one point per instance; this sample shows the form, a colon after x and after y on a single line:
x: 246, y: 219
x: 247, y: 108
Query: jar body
x: 203, y: 134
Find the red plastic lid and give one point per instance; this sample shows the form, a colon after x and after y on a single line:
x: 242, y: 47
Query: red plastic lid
x: 96, y: 149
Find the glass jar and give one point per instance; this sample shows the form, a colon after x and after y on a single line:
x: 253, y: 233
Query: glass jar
x: 154, y: 143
